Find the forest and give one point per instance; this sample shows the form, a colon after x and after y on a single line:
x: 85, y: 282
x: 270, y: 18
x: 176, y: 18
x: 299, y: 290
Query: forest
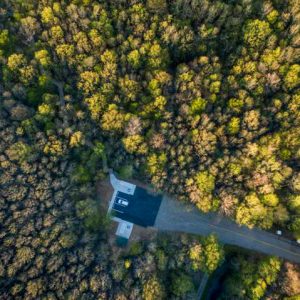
x: 198, y: 98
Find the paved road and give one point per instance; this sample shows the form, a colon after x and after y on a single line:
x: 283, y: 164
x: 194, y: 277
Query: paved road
x: 176, y: 216
x: 202, y: 286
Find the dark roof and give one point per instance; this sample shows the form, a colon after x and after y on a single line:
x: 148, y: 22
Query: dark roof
x: 121, y: 241
x: 142, y: 207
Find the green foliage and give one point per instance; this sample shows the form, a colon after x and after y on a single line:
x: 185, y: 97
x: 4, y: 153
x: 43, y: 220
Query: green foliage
x: 270, y: 199
x: 95, y: 222
x: 82, y: 174
x: 213, y: 253
x: 67, y: 240
x: 135, y: 144
x: 196, y: 256
x: 235, y: 105
x: 88, y: 82
x: 285, y: 154
x: 135, y: 249
x: 34, y: 287
x: 251, y: 280
x: 295, y: 227
x: 252, y: 212
x: 234, y: 125
x: 16, y: 61
x: 42, y: 56
x: 197, y: 106
x: 125, y: 172
x: 162, y: 260
x: 200, y: 190
x: 24, y: 255
x: 19, y: 151
x: 29, y: 126
x: 93, y: 219
x: 96, y: 104
x: 127, y: 263
x: 54, y: 147
x: 292, y: 77
x: 34, y: 96
x: 47, y: 15
x: 294, y: 203
x: 157, y: 5
x: 57, y: 32
x: 153, y: 290
x: 235, y: 169
x: 296, y: 297
x: 156, y: 163
x: 99, y: 149
x: 4, y: 39
x: 200, y: 98
x: 112, y: 119
x: 158, y: 57
x: 46, y: 110
x: 205, y: 181
x: 181, y: 284
x: 256, y: 33
x: 65, y: 52
x: 76, y: 139
x: 134, y: 59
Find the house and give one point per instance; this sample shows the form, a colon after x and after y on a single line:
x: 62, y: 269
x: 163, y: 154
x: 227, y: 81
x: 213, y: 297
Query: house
x: 131, y: 205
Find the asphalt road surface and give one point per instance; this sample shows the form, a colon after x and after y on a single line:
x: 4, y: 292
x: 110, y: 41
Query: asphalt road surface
x: 176, y: 216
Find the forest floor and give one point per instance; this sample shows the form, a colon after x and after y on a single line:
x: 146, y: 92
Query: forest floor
x: 104, y: 192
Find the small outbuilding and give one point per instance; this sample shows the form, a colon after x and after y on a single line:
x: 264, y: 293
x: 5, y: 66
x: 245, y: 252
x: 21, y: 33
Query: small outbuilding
x: 124, y: 229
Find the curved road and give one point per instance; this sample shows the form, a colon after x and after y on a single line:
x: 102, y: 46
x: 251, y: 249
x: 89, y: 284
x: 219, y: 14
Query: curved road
x: 176, y: 216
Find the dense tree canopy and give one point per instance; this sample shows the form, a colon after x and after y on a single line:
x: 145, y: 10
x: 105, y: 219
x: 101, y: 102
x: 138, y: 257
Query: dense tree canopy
x: 199, y: 98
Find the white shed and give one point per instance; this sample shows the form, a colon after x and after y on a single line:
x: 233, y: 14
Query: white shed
x: 124, y: 229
